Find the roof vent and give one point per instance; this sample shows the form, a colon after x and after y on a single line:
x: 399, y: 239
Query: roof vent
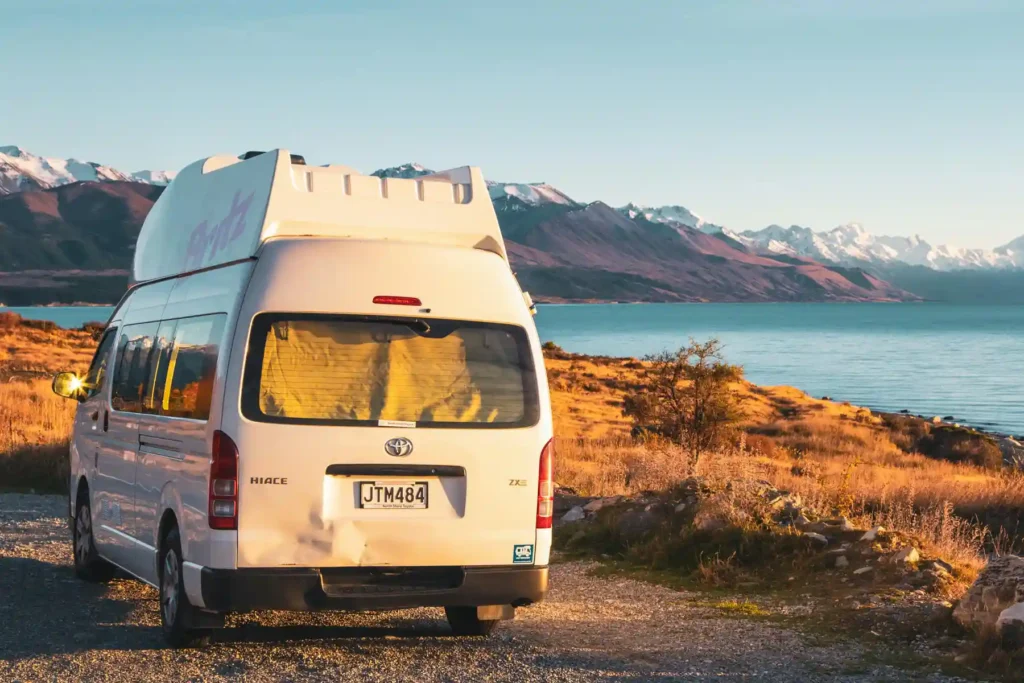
x: 297, y: 159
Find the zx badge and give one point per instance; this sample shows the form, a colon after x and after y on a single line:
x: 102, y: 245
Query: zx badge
x: 517, y: 482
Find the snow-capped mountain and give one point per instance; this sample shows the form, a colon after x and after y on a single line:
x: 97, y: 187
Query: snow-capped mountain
x: 154, y: 177
x: 21, y: 170
x: 847, y: 244
x: 533, y: 194
x: 676, y: 216
x: 853, y: 245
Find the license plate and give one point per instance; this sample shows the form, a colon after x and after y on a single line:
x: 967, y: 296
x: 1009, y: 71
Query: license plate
x: 400, y: 495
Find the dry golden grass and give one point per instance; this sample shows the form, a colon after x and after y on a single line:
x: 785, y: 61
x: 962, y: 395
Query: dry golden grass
x: 35, y: 426
x: 839, y: 457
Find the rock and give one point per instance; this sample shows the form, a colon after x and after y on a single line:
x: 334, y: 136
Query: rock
x: 801, y: 521
x: 940, y: 567
x: 816, y: 537
x: 595, y: 505
x: 863, y: 570
x: 842, y: 562
x: 844, y: 524
x: 565, y: 502
x: 680, y: 507
x: 999, y: 587
x: 637, y: 523
x: 949, y: 418
x: 1010, y: 626
x: 872, y: 534
x: 908, y: 555
x: 574, y: 515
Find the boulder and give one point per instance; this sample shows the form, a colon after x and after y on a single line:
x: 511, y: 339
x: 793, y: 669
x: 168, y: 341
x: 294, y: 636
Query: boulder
x: 863, y: 570
x: 595, y: 505
x: 574, y: 515
x: 842, y: 562
x: 1010, y: 625
x: 567, y: 501
x: 909, y: 555
x: 872, y: 534
x: 637, y: 523
x: 817, y: 538
x: 999, y: 588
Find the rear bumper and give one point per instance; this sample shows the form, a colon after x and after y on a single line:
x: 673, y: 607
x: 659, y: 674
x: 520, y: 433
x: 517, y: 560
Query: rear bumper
x: 363, y: 588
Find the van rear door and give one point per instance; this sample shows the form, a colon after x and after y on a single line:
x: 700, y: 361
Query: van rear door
x: 387, y: 441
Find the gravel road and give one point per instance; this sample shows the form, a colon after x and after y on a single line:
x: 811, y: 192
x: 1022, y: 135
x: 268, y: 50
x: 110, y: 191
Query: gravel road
x: 56, y: 628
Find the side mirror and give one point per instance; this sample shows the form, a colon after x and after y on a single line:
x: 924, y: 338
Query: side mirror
x: 529, y: 303
x: 68, y: 385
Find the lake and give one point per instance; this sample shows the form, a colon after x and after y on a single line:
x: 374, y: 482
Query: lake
x: 932, y: 359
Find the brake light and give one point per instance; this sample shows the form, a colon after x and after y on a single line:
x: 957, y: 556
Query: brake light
x: 223, y: 511
x: 546, y: 487
x: 397, y: 300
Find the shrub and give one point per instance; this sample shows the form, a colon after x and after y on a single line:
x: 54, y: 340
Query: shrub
x: 685, y: 397
x: 962, y: 445
x: 44, y: 325
x: 9, y: 320
x: 95, y: 329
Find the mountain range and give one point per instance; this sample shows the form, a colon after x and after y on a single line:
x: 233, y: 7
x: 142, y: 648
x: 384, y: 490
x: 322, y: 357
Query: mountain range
x: 67, y: 231
x: 21, y: 170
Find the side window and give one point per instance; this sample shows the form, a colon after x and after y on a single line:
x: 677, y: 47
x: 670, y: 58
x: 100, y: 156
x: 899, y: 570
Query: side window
x: 132, y: 367
x: 168, y: 368
x: 191, y: 366
x: 157, y: 383
x: 95, y: 378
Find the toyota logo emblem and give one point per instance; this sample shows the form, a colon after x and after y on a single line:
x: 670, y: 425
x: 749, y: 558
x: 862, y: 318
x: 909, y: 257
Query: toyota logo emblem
x: 398, y: 447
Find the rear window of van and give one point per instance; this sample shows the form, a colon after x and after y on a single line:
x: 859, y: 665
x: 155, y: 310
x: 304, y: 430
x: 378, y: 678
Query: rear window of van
x: 350, y: 370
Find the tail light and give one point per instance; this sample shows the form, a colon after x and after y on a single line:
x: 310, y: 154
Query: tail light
x: 546, y: 487
x: 397, y: 300
x: 223, y: 513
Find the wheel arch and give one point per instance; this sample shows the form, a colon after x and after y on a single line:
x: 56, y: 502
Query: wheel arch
x: 80, y: 488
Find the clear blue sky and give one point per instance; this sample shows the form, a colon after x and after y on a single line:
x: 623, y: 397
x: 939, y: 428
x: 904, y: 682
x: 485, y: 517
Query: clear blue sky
x: 905, y: 116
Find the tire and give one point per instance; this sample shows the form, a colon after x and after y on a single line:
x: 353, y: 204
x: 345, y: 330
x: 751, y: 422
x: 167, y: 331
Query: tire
x: 464, y: 622
x: 89, y: 566
x: 177, y: 615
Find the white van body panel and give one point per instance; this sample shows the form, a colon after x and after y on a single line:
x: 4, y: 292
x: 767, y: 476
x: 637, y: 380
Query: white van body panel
x: 315, y: 520
x: 232, y: 240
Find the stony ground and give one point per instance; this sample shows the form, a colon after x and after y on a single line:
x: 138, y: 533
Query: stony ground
x: 56, y: 628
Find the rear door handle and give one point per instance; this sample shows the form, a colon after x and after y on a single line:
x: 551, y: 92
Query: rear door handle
x: 106, y: 420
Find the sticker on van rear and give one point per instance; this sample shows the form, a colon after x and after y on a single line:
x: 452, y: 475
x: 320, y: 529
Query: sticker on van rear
x: 396, y: 423
x: 522, y: 554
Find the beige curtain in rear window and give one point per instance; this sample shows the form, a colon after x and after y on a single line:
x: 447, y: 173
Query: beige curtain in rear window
x: 374, y: 371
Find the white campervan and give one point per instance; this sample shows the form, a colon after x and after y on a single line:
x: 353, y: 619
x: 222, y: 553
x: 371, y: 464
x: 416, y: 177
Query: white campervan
x: 324, y: 390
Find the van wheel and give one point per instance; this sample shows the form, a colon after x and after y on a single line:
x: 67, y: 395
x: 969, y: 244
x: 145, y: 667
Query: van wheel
x: 177, y: 615
x: 89, y: 566
x: 465, y: 622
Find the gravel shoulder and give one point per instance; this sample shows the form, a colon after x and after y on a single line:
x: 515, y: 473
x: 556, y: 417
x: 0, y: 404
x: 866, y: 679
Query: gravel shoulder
x: 54, y: 627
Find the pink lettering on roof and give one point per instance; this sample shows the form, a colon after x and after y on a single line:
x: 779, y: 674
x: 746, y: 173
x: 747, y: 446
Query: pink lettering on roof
x: 206, y: 241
